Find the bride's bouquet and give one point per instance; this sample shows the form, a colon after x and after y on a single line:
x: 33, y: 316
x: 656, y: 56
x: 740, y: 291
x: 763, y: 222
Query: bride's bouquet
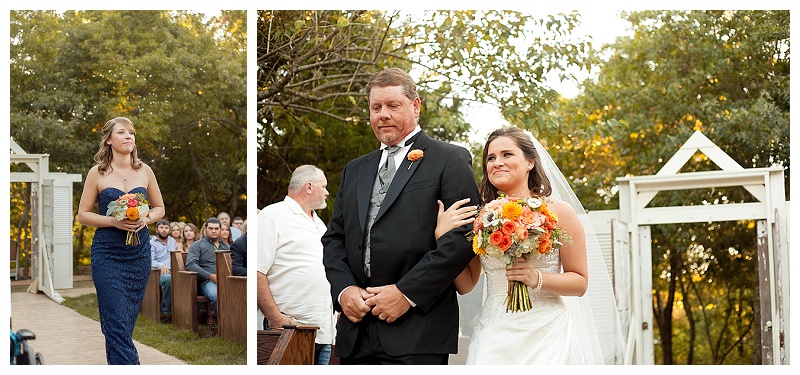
x: 132, y: 207
x: 512, y: 228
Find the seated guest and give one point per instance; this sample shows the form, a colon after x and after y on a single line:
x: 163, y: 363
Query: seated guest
x: 201, y: 259
x: 225, y: 234
x: 238, y: 223
x: 160, y: 246
x: 225, y: 218
x: 176, y: 231
x: 189, y: 237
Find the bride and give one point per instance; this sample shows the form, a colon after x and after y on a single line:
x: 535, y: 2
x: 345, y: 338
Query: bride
x: 559, y: 328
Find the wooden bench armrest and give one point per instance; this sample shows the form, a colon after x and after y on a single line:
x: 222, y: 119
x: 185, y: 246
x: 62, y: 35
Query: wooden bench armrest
x: 294, y: 345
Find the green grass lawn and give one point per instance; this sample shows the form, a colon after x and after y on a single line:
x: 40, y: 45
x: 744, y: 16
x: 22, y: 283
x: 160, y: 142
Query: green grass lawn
x: 203, y: 348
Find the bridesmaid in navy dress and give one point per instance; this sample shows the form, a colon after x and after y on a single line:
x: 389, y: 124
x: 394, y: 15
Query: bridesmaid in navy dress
x: 119, y: 271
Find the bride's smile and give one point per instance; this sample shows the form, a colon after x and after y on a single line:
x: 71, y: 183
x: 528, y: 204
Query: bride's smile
x: 506, y: 165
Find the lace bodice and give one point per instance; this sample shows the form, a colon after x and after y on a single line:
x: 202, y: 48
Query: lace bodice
x: 496, y: 282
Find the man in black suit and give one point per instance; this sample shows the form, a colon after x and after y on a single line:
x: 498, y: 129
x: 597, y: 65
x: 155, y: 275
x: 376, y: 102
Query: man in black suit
x: 239, y: 256
x: 390, y: 277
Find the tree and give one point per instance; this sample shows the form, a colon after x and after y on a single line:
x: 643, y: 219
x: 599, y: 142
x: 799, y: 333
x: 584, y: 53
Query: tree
x: 313, y: 66
x: 179, y: 76
x: 725, y: 73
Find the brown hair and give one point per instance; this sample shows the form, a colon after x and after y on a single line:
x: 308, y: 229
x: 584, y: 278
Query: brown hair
x: 196, y: 235
x: 538, y: 183
x: 103, y: 156
x: 394, y: 77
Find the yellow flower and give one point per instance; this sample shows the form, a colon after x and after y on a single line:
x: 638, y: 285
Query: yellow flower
x: 476, y: 247
x: 512, y: 210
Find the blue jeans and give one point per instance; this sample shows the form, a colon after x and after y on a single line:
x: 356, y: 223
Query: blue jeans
x: 322, y: 354
x: 166, y: 293
x: 209, y: 289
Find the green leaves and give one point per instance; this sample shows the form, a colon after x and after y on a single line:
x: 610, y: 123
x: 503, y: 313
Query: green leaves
x: 315, y: 80
x: 179, y: 76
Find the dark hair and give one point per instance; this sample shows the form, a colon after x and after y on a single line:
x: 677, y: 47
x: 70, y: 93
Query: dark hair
x: 212, y: 220
x: 538, y: 183
x: 394, y: 77
x: 163, y: 222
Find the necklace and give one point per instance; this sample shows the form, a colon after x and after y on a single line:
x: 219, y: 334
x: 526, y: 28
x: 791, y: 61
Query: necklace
x: 124, y: 176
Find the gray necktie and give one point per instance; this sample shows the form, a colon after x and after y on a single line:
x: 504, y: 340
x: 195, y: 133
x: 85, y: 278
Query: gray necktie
x: 386, y: 173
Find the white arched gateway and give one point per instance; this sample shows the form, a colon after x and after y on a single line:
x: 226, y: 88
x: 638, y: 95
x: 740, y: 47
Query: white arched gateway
x: 51, y: 221
x: 628, y: 246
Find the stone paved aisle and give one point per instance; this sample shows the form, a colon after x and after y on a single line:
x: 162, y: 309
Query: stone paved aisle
x: 64, y: 337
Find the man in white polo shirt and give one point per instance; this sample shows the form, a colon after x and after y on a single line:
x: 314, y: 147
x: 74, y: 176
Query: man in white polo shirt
x: 292, y: 285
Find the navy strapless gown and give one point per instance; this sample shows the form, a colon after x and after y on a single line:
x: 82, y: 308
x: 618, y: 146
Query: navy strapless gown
x: 120, y: 275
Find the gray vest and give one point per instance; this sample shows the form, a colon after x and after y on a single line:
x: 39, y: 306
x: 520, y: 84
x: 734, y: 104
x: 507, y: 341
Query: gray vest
x: 379, y: 188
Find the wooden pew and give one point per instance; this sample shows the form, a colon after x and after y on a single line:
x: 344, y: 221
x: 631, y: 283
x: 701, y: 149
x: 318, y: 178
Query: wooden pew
x: 294, y: 345
x: 184, y: 294
x: 231, y: 300
x: 151, y: 305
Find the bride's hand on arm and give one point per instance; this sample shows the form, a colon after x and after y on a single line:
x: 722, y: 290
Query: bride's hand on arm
x: 454, y: 217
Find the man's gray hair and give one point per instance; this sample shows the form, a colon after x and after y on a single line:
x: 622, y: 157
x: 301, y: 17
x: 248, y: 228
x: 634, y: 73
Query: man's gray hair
x: 302, y: 175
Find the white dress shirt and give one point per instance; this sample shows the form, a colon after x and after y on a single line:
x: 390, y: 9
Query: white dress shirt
x: 289, y: 253
x: 401, y: 154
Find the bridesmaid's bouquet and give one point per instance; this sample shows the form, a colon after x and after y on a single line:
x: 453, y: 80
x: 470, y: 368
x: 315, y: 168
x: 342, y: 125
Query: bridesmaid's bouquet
x: 132, y: 207
x: 512, y: 228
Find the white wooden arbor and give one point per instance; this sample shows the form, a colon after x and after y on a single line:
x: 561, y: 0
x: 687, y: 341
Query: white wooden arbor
x: 770, y: 212
x: 51, y: 224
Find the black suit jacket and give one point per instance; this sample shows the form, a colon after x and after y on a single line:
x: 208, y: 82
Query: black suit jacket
x: 403, y: 247
x: 239, y: 256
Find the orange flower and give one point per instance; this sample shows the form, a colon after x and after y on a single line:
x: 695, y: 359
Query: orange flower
x: 550, y: 218
x: 522, y: 233
x: 545, y: 243
x: 528, y: 217
x: 132, y: 213
x: 496, y: 237
x: 505, y: 243
x: 413, y: 156
x: 509, y: 227
x: 512, y: 210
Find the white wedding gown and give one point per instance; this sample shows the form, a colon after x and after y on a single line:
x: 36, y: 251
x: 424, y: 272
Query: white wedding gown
x: 544, y: 334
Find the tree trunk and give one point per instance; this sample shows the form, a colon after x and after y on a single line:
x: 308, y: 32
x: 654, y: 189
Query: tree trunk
x: 22, y: 227
x: 663, y: 315
x: 757, y: 359
x: 692, y: 326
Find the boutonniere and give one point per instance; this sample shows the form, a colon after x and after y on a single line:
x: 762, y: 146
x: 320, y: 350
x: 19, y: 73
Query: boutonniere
x: 413, y: 156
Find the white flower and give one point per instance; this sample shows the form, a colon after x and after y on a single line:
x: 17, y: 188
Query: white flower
x: 493, y: 223
x: 534, y: 202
